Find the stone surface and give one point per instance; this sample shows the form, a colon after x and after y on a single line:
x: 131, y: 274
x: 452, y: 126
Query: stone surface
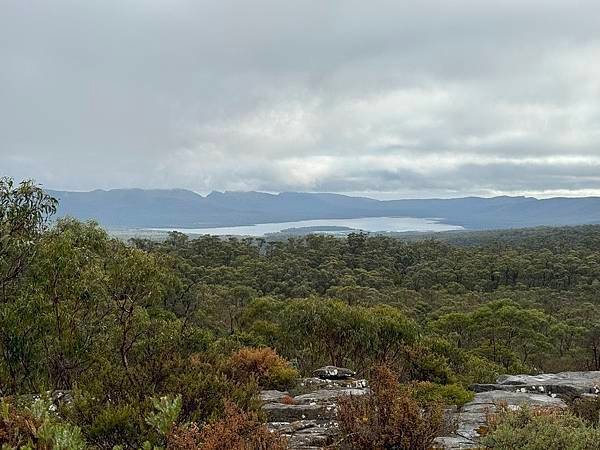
x: 563, y: 384
x: 310, y: 422
x: 333, y: 373
x: 307, y: 434
x: 269, y: 396
x: 468, y: 420
x: 279, y: 412
x: 311, y: 384
x: 328, y: 395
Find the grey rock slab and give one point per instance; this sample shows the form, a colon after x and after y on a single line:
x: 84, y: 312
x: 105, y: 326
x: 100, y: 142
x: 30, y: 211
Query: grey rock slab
x: 306, y: 434
x: 292, y: 427
x: 279, y: 412
x: 314, y: 383
x: 453, y: 443
x: 472, y: 416
x: 318, y: 436
x: 328, y: 395
x: 485, y: 400
x: 272, y: 396
x: 566, y: 384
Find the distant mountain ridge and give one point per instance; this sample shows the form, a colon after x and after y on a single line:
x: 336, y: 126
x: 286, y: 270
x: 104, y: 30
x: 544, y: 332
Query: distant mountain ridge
x: 138, y: 208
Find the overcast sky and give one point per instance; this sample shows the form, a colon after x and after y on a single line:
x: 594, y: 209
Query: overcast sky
x: 389, y: 98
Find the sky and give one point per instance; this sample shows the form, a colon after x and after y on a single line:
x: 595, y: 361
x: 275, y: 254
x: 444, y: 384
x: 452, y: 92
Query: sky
x: 389, y: 99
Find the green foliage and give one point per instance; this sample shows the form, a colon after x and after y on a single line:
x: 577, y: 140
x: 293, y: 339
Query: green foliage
x: 61, y: 435
x: 113, y: 425
x: 319, y: 331
x: 262, y: 365
x: 588, y: 409
x: 24, y: 212
x: 37, y: 427
x: 449, y: 394
x: 165, y: 415
x: 530, y: 429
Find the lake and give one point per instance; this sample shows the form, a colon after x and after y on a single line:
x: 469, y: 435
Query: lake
x: 371, y: 224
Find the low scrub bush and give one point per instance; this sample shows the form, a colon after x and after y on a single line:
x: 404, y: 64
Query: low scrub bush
x: 37, y: 427
x: 449, y: 394
x: 263, y: 365
x: 237, y: 430
x: 540, y: 429
x: 389, y: 417
x: 588, y: 409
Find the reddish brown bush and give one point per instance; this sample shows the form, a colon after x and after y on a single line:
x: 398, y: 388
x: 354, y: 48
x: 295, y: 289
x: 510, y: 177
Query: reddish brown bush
x: 184, y: 438
x: 588, y: 409
x: 288, y: 400
x: 263, y: 365
x: 18, y: 429
x: 390, y: 417
x: 239, y: 430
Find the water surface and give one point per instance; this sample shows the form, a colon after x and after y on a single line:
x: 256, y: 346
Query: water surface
x: 371, y: 224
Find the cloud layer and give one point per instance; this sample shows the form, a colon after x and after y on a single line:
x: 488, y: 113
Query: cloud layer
x: 413, y: 98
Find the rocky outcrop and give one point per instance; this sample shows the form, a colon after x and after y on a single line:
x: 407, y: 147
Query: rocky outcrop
x: 308, y: 418
x: 334, y: 373
x: 467, y: 422
x: 514, y: 391
x: 564, y: 384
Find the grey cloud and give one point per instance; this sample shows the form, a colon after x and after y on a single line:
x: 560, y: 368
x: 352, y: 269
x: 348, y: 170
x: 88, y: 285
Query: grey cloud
x: 416, y: 97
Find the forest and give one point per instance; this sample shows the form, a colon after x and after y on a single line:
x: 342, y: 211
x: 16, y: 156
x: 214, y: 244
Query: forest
x: 166, y: 344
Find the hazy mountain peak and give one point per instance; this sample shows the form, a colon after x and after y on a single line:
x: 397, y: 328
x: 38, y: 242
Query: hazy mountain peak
x: 183, y: 208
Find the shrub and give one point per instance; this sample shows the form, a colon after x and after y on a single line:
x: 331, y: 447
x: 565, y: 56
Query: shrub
x: 185, y: 437
x: 36, y: 427
x: 114, y: 425
x: 107, y: 423
x: 539, y: 429
x: 588, y: 409
x: 288, y: 400
x: 477, y: 369
x: 389, y: 417
x: 17, y: 428
x: 265, y: 366
x: 237, y: 430
x: 424, y: 362
x: 449, y: 394
x: 166, y: 412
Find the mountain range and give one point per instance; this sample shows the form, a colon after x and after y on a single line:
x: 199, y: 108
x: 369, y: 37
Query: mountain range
x: 138, y: 208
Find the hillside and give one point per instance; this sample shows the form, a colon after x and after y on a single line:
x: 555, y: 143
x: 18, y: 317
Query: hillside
x: 137, y: 208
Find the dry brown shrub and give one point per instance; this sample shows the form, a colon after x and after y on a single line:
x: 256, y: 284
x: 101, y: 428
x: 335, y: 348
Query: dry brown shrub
x: 588, y: 409
x: 18, y: 429
x: 288, y: 400
x: 184, y: 438
x: 239, y: 430
x: 389, y: 417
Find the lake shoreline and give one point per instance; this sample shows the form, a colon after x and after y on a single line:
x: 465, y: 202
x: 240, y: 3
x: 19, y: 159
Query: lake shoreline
x: 329, y: 226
